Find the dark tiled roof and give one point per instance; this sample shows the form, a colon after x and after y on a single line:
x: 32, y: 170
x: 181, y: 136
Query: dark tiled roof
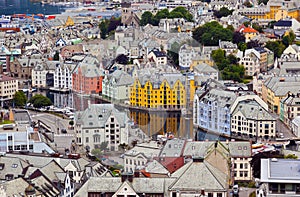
x: 283, y: 23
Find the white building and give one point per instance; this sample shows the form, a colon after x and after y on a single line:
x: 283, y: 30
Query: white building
x: 138, y: 157
x: 187, y: 54
x: 251, y: 64
x: 42, y: 74
x: 63, y: 76
x: 158, y: 57
x: 116, y: 86
x: 295, y: 126
x: 101, y: 123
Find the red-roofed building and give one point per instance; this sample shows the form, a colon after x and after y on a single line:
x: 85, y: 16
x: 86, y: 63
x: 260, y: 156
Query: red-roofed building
x: 171, y: 163
x: 249, y: 32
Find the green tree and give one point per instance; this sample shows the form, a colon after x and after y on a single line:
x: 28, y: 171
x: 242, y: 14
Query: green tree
x: 19, y: 98
x: 223, y: 12
x: 218, y: 55
x: 71, y: 122
x: 290, y: 156
x: 257, y: 27
x: 147, y: 18
x: 56, y: 56
x: 103, y: 28
x: 277, y: 47
x: 242, y: 46
x: 173, y: 52
x: 39, y: 101
x: 263, y: 1
x: 210, y: 34
x: 289, y: 39
x: 181, y: 12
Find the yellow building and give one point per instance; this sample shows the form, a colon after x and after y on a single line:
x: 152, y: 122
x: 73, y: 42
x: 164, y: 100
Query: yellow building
x: 163, y: 95
x: 276, y: 88
x: 201, y: 60
x: 274, y: 10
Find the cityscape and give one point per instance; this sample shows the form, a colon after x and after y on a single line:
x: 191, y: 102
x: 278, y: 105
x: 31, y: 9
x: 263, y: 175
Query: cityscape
x: 150, y: 98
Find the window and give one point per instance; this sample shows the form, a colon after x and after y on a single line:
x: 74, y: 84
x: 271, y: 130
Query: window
x: 241, y: 166
x: 9, y: 138
x: 219, y: 194
x: 87, y: 140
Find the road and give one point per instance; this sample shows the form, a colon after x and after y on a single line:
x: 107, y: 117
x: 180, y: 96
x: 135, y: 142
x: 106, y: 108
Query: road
x: 54, y: 122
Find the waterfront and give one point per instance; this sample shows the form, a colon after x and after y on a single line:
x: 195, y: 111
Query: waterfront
x: 28, y: 7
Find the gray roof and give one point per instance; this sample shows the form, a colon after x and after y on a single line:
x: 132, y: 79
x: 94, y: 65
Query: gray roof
x: 252, y: 110
x: 96, y: 115
x: 280, y: 170
x: 197, y: 175
x: 39, y: 161
x: 12, y: 165
x: 121, y: 78
x: 204, y: 68
x: 282, y: 85
x: 223, y: 97
x: 156, y: 168
x: 149, y: 150
x: 173, y: 148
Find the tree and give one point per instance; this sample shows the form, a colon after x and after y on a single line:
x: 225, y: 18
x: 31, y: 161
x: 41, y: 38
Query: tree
x: 56, y: 56
x: 223, y: 12
x: 19, y: 99
x: 71, y: 122
x: 238, y: 37
x: 39, y: 101
x: 247, y: 4
x: 257, y: 27
x: 181, y: 12
x: 218, y: 55
x: 242, y: 46
x: 252, y: 44
x: 113, y: 24
x: 289, y: 39
x: 173, y: 52
x: 147, y: 18
x: 263, y: 1
x: 277, y: 47
x: 103, y: 28
x: 210, y: 34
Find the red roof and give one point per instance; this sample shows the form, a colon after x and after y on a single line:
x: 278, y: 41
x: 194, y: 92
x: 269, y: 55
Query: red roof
x: 249, y: 30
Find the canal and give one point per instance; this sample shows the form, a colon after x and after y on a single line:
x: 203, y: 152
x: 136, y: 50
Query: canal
x: 150, y: 122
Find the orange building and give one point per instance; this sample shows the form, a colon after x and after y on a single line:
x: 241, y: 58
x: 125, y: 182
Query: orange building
x: 87, y: 77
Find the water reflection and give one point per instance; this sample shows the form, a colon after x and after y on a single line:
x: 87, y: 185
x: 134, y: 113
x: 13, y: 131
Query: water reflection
x: 151, y: 122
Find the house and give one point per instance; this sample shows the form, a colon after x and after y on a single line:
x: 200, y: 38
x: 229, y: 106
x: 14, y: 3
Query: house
x: 116, y: 86
x: 265, y: 56
x: 206, y: 70
x: 12, y: 168
x: 186, y: 54
x: 63, y: 76
x: 159, y: 57
x: 129, y: 17
x: 289, y: 108
x: 251, y: 64
x: 87, y: 76
x: 187, y: 180
x: 295, y: 126
x: 230, y: 157
x: 248, y: 32
x: 43, y: 74
x: 146, y: 91
x: 279, y: 177
x: 137, y: 157
x: 276, y: 88
x: 228, y: 47
x: 101, y: 123
x: 60, y: 43
x: 212, y: 110
x: 252, y: 119
x: 22, y: 67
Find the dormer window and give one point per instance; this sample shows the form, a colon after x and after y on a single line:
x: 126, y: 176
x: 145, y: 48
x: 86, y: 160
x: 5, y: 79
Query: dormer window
x: 2, y: 166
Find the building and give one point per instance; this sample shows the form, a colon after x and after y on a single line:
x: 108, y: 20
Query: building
x: 186, y: 54
x: 289, y: 108
x: 276, y: 88
x: 8, y: 88
x: 212, y: 110
x: 87, y: 76
x: 159, y: 57
x: 137, y: 157
x: 116, y: 86
x: 251, y: 64
x: 274, y: 10
x: 206, y: 70
x: 252, y: 119
x: 187, y: 180
x: 63, y: 76
x: 279, y: 177
x: 248, y: 32
x: 295, y: 126
x: 101, y: 123
x: 43, y: 74
x: 164, y: 91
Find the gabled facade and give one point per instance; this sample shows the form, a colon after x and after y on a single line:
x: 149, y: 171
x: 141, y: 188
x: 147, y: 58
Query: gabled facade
x: 116, y: 86
x: 101, y: 123
x: 165, y: 92
x: 63, y: 76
